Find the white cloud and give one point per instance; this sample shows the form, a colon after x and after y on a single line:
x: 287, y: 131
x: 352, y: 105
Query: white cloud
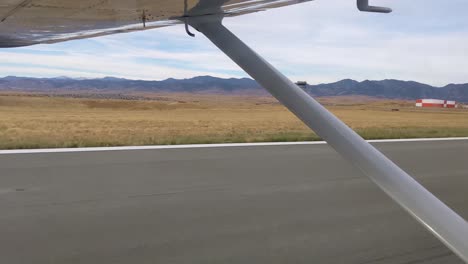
x: 84, y: 65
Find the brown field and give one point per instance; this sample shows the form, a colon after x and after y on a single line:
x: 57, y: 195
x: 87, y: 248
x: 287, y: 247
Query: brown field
x: 45, y: 122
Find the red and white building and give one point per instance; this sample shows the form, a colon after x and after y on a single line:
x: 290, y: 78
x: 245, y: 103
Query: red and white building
x: 435, y: 103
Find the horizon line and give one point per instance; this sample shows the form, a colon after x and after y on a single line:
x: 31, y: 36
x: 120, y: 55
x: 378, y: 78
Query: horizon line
x: 223, y: 78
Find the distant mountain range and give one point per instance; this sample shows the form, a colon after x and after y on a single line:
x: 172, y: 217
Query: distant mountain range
x: 391, y: 89
x: 205, y: 84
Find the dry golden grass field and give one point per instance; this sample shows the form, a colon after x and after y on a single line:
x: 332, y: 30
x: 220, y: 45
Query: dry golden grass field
x: 46, y: 122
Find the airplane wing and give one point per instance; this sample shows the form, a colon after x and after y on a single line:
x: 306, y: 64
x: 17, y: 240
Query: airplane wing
x: 28, y: 22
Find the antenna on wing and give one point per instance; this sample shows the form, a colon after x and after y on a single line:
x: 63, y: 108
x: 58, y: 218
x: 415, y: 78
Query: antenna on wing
x: 363, y: 5
x: 143, y: 18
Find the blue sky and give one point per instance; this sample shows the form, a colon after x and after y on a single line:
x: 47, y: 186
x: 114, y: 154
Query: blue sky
x: 319, y: 41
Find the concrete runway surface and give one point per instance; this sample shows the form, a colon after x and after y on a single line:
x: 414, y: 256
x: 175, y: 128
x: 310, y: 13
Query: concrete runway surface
x: 258, y: 204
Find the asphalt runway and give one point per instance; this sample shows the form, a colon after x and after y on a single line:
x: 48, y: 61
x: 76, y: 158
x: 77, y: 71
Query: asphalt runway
x: 259, y: 204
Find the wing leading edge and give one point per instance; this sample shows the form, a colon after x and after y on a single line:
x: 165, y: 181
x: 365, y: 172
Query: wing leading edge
x: 28, y: 22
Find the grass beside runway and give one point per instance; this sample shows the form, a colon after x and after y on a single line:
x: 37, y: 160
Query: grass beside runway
x: 53, y: 122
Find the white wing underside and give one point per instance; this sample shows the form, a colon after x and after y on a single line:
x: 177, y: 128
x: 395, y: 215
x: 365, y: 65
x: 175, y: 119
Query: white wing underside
x: 28, y: 22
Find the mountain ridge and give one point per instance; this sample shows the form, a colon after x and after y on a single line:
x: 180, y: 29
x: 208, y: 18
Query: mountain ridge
x: 388, y: 88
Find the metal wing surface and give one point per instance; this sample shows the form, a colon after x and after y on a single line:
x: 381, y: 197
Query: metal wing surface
x: 28, y: 22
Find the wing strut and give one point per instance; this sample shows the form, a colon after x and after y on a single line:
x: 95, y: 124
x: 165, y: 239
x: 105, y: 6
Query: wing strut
x: 433, y: 214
